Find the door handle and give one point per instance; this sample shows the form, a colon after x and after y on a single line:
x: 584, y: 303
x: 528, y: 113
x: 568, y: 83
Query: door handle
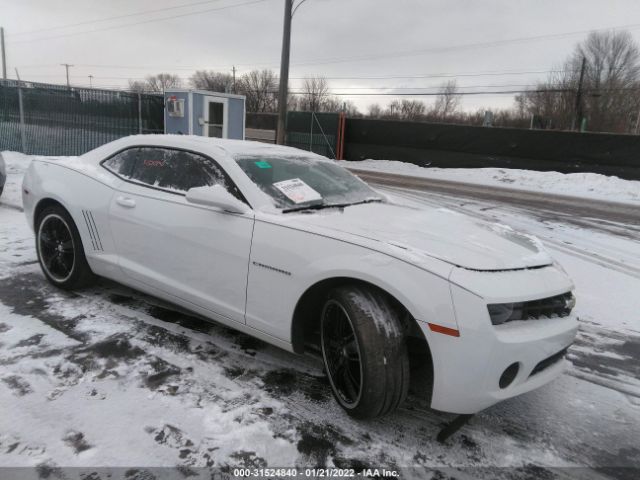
x: 126, y: 201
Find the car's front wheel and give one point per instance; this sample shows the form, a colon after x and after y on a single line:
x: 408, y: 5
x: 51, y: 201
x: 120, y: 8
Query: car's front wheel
x: 60, y: 250
x: 364, y: 351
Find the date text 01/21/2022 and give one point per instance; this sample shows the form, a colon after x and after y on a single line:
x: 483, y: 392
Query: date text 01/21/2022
x: 314, y: 472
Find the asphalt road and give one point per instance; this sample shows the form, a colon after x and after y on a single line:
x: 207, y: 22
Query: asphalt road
x: 551, y: 205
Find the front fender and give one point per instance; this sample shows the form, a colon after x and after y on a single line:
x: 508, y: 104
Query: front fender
x: 286, y: 262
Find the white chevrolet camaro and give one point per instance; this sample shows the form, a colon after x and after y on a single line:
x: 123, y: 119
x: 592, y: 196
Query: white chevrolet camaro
x: 293, y: 249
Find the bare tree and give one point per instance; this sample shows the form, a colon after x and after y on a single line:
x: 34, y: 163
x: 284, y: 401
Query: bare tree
x: 161, y: 81
x: 212, y: 81
x: 331, y: 104
x: 610, y: 85
x: 350, y: 109
x: 613, y: 70
x: 404, y: 110
x: 375, y: 110
x: 293, y: 102
x: 412, y: 109
x: 393, y: 111
x: 259, y: 87
x: 447, y: 102
x: 138, y: 86
x: 156, y: 83
x: 315, y: 92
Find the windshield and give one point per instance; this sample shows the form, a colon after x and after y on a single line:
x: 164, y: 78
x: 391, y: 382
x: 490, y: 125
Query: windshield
x: 299, y: 182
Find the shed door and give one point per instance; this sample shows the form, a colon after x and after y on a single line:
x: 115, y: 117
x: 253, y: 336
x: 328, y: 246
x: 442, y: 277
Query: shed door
x: 216, y: 117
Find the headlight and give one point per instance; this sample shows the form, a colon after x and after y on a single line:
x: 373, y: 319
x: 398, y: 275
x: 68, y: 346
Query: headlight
x: 550, y: 307
x: 502, y: 312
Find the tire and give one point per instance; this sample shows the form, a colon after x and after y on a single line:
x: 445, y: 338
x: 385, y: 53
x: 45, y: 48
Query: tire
x: 377, y: 338
x: 60, y: 251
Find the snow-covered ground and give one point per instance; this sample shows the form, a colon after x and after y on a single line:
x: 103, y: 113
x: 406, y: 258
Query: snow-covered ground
x: 110, y: 377
x: 583, y: 185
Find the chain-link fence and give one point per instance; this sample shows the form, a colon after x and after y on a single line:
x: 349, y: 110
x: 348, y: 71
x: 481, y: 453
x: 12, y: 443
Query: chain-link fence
x: 45, y: 119
x: 316, y: 132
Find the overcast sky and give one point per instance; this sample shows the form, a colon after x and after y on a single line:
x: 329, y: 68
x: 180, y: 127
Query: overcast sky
x: 333, y: 38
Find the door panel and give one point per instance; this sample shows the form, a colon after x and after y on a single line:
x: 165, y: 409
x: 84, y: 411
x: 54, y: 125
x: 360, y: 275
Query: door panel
x: 198, y: 254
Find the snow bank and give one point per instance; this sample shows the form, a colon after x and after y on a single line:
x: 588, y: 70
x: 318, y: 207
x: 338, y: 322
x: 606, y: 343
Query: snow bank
x: 15, y: 165
x: 585, y: 185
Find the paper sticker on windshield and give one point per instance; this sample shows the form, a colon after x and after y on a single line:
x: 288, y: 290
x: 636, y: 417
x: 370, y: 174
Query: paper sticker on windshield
x: 297, y: 191
x: 262, y: 164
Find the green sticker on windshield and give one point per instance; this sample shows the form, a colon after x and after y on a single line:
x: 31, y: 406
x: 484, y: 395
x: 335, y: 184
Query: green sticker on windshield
x: 262, y: 164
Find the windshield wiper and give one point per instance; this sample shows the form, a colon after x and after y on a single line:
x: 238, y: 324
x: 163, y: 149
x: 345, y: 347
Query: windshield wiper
x: 317, y: 206
x: 321, y: 206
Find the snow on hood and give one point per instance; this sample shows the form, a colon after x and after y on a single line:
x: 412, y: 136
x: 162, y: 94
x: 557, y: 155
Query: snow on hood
x: 437, y: 233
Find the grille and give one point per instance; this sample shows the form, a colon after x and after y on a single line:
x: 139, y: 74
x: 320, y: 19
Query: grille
x: 558, y: 306
x: 547, y: 362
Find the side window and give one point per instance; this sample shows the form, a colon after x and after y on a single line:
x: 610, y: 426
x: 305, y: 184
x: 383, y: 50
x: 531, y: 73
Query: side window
x: 122, y: 164
x: 178, y: 171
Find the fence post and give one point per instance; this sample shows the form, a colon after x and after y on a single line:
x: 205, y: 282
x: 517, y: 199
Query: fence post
x: 139, y: 113
x: 311, y: 134
x: 23, y: 139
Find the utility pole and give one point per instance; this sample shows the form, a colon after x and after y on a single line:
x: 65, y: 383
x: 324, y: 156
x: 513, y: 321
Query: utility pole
x: 66, y: 66
x: 234, y: 79
x: 4, y: 57
x: 284, y: 73
x: 90, y: 81
x: 577, y: 121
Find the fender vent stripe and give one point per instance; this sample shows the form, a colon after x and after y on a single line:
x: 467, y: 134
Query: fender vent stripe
x: 96, y: 241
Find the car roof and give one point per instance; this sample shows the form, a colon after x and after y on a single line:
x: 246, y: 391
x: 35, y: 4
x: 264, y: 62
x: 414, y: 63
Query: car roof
x: 224, y: 151
x: 201, y: 144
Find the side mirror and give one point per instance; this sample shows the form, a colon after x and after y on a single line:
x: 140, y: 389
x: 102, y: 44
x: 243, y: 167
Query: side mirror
x: 216, y: 196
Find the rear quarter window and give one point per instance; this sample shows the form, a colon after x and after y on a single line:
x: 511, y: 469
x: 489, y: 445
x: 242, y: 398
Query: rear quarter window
x: 122, y: 163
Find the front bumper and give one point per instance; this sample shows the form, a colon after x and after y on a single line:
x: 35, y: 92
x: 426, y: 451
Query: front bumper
x: 468, y: 368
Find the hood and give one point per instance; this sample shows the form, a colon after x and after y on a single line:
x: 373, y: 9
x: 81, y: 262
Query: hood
x: 437, y: 233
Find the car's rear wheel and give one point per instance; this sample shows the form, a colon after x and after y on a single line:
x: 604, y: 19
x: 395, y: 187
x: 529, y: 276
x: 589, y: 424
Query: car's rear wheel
x: 60, y: 250
x: 364, y: 351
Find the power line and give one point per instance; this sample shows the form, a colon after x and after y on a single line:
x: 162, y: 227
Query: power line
x: 132, y: 67
x: 117, y: 17
x: 374, y: 87
x: 493, y: 43
x: 191, y: 68
x: 407, y: 94
x: 428, y: 94
x: 438, y: 87
x: 439, y: 75
x: 488, y: 92
x: 355, y: 77
x: 112, y: 27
